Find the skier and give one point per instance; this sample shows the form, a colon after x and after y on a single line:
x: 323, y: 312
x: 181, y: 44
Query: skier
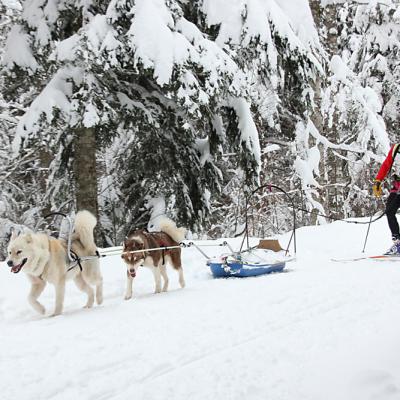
x: 393, y: 201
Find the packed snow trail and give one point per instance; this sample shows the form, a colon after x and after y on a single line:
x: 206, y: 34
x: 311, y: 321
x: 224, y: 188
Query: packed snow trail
x: 322, y: 330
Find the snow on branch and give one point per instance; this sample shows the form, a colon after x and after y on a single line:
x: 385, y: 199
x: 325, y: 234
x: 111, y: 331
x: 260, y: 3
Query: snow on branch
x: 248, y: 130
x: 244, y: 21
x: 18, y: 51
x: 56, y: 95
x: 346, y: 87
x: 161, y: 39
x: 154, y: 43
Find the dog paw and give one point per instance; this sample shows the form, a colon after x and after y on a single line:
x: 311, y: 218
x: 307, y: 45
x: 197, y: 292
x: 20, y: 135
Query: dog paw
x: 128, y: 297
x: 38, y: 307
x: 89, y: 302
x: 55, y: 314
x: 41, y: 310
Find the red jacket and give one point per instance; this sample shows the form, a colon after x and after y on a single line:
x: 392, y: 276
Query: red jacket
x: 387, y: 164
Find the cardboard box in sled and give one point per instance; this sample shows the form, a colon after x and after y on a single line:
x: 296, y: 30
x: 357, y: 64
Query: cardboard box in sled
x: 270, y: 244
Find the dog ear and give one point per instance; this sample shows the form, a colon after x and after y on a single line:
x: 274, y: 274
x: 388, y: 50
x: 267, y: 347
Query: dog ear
x: 14, y: 233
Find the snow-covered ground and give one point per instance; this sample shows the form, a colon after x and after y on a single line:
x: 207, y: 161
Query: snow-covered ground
x: 322, y: 330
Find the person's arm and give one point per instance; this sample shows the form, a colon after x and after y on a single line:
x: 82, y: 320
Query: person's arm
x: 386, y: 165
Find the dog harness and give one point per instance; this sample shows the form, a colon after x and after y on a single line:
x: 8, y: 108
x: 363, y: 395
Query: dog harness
x: 76, y: 261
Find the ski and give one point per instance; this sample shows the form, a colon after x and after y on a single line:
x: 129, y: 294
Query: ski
x: 381, y: 257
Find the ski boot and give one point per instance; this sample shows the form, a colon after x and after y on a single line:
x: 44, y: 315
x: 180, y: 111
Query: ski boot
x: 395, y: 249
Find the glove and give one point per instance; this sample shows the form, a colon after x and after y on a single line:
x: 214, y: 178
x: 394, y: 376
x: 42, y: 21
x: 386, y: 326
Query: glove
x: 377, y: 188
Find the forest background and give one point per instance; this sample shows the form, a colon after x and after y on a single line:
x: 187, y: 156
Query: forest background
x: 138, y: 108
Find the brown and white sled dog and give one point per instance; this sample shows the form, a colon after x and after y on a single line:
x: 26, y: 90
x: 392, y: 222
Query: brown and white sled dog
x: 140, y: 241
x: 44, y: 259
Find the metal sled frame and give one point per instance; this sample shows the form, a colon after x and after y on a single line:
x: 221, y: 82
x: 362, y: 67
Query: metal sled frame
x: 246, y: 229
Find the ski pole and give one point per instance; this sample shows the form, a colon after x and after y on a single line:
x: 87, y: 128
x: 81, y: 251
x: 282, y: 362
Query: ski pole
x: 366, y: 237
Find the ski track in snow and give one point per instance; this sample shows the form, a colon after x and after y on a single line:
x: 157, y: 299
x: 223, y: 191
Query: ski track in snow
x: 322, y: 330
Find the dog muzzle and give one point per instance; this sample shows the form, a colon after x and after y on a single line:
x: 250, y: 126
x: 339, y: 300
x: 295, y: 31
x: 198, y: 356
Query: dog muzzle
x: 132, y: 272
x: 16, y: 268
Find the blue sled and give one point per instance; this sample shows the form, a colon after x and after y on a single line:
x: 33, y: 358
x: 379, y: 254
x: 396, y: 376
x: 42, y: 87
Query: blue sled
x: 242, y: 270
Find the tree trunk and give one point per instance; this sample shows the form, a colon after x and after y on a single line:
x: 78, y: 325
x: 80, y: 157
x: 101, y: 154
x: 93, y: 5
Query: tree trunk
x: 316, y: 116
x: 315, y: 6
x: 331, y: 25
x: 334, y: 172
x: 45, y: 159
x: 85, y: 171
x: 326, y: 22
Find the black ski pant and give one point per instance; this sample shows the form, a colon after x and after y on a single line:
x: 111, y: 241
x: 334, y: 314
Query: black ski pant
x: 392, y: 205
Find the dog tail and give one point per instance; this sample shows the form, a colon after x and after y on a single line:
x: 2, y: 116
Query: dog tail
x: 84, y: 225
x: 169, y: 227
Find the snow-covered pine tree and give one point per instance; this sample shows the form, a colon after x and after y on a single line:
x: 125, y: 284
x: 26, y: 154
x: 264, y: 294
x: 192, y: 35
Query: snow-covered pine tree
x: 139, y: 70
x: 341, y: 145
x: 361, y: 101
x: 13, y: 207
x: 154, y: 94
x: 277, y: 46
x: 8, y: 120
x: 44, y: 85
x: 180, y: 93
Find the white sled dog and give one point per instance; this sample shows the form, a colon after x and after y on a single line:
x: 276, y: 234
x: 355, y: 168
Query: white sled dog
x: 141, y: 240
x: 44, y: 259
